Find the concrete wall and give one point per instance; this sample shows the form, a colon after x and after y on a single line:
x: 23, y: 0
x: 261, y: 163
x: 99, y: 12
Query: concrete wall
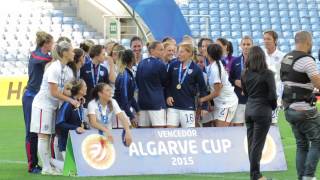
x: 91, y: 13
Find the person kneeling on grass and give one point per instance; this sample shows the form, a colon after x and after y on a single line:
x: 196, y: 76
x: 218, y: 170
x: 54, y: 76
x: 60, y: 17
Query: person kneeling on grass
x: 100, y: 110
x: 70, y: 117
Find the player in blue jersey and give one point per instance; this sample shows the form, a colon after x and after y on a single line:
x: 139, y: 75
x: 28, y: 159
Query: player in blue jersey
x: 70, y: 117
x: 151, y: 79
x: 38, y: 59
x: 125, y: 87
x: 185, y: 78
x: 94, y: 72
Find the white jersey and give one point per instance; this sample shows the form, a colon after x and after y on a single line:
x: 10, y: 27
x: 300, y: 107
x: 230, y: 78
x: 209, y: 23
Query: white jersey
x: 227, y: 97
x: 274, y: 64
x: 93, y: 108
x: 56, y: 73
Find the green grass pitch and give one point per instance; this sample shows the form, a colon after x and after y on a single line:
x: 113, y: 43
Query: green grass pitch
x: 13, y: 159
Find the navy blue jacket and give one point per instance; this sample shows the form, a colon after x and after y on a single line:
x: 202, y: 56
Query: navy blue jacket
x: 85, y: 74
x: 235, y: 74
x: 37, y: 63
x: 124, y: 92
x: 151, y: 78
x: 184, y: 98
x: 67, y: 119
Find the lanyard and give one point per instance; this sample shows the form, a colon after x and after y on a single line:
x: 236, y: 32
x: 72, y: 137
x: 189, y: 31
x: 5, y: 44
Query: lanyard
x: 104, y: 118
x: 80, y: 113
x: 180, y: 80
x: 62, y: 77
x: 241, y: 63
x: 95, y: 80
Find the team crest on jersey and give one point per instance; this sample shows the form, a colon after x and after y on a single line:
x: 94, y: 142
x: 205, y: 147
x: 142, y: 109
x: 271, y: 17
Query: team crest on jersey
x: 101, y: 73
x: 190, y: 71
x: 88, y: 71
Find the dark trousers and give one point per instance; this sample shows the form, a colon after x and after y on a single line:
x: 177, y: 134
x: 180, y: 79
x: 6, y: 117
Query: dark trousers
x: 306, y: 129
x: 257, y: 130
x: 31, y: 138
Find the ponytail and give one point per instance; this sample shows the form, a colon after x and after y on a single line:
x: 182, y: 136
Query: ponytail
x: 215, y: 53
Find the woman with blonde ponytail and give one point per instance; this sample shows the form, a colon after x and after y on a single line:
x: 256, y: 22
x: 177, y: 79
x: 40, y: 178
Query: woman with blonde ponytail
x: 38, y: 59
x: 47, y: 101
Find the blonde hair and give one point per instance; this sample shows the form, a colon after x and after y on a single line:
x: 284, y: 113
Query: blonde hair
x: 189, y: 48
x: 167, y: 44
x: 43, y: 37
x: 119, y: 49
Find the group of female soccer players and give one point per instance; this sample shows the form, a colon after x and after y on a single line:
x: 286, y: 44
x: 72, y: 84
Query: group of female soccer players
x: 112, y: 87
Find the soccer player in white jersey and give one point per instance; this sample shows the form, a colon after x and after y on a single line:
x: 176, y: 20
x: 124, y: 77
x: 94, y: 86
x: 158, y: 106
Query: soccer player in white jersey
x: 47, y: 101
x: 221, y: 90
x: 274, y: 57
x: 100, y: 110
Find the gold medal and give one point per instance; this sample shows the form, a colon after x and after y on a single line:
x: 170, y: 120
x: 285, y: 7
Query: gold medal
x: 178, y: 86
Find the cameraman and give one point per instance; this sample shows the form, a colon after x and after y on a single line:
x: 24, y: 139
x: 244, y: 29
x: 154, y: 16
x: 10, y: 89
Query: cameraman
x: 300, y: 76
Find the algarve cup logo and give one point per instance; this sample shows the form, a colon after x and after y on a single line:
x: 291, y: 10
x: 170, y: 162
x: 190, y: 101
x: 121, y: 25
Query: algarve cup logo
x: 98, y: 152
x: 269, y: 150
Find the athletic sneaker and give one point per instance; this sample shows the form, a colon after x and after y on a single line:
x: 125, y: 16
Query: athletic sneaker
x: 35, y: 170
x: 51, y: 171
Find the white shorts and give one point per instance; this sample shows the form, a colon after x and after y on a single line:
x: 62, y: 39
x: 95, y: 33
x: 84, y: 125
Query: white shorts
x: 152, y: 118
x: 225, y: 114
x: 43, y: 121
x: 239, y: 116
x: 185, y: 118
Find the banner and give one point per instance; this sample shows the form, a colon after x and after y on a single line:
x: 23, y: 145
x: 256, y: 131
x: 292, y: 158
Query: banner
x: 169, y: 151
x: 12, y: 88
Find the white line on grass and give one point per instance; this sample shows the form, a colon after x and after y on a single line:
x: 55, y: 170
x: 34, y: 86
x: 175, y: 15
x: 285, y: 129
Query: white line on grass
x: 2, y: 161
x: 215, y: 176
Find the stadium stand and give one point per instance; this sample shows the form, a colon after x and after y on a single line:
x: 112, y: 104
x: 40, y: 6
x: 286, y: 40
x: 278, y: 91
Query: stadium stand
x: 18, y: 30
x: 233, y: 19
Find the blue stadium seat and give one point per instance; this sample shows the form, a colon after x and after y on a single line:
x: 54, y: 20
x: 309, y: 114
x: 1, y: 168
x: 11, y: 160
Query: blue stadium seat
x: 234, y: 13
x: 235, y: 27
x: 244, y: 20
x: 236, y: 34
x: 244, y: 13
x: 293, y: 13
x: 255, y: 20
x: 245, y: 27
x: 296, y: 27
x: 193, y: 12
x: 263, y: 6
x: 193, y: 5
x: 264, y: 13
x: 305, y: 27
x: 273, y: 6
x: 226, y: 34
x: 283, y: 13
x: 274, y: 13
x: 265, y: 26
x: 283, y: 6
x: 215, y: 34
x: 194, y: 20
x: 233, y: 6
x: 314, y: 20
x: 235, y: 20
x: 203, y: 5
x: 204, y: 12
x: 224, y: 13
x: 254, y: 13
x: 256, y: 27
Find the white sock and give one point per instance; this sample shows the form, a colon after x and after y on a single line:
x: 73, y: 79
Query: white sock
x: 64, y: 155
x: 44, y: 155
x: 57, y: 153
x: 57, y: 164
